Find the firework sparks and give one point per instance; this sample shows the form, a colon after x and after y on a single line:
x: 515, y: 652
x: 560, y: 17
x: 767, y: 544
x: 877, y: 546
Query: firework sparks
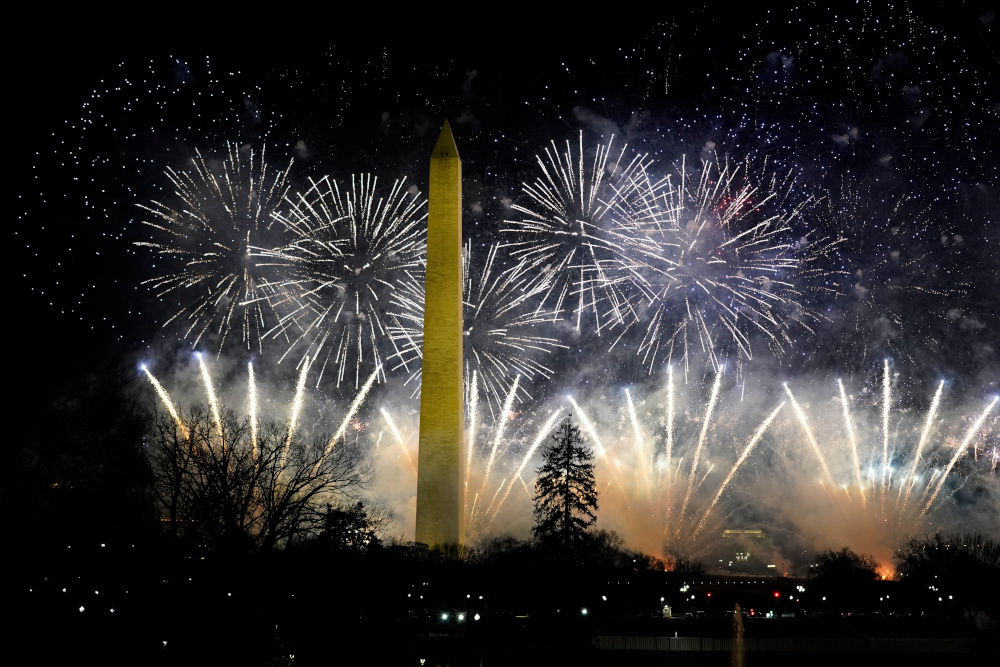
x: 546, y: 428
x: 502, y: 326
x: 570, y: 230
x: 221, y: 213
x: 809, y: 434
x: 701, y: 442
x: 348, y: 248
x: 716, y: 258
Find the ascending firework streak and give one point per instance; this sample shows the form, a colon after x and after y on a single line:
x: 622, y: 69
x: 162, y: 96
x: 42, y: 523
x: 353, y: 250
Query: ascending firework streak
x: 920, y: 445
x: 355, y: 404
x: 701, y: 443
x: 546, y: 428
x: 809, y: 434
x: 919, y: 472
x: 347, y: 251
x: 886, y: 397
x: 252, y: 386
x: 743, y: 457
x: 399, y: 439
x: 472, y: 400
x: 162, y: 393
x: 643, y: 457
x: 958, y: 453
x: 853, y: 439
x: 213, y: 402
x: 588, y: 426
x: 653, y: 496
x: 571, y: 229
x: 501, y: 422
x: 293, y: 421
x: 220, y: 214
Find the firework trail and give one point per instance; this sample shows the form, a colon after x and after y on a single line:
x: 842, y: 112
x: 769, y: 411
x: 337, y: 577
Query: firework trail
x: 498, y: 434
x: 472, y: 401
x: 213, y: 401
x: 651, y: 502
x: 221, y: 212
x: 570, y: 230
x: 546, y: 428
x: 885, y: 444
x: 399, y: 439
x: 347, y: 250
x: 743, y: 457
x: 809, y: 434
x: 717, y: 261
x: 958, y: 453
x: 252, y: 390
x: 920, y: 444
x: 852, y: 438
x: 293, y: 421
x: 162, y: 393
x: 701, y: 443
x: 355, y: 405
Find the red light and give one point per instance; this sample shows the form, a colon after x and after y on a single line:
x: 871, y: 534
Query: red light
x: 776, y: 594
x: 709, y: 594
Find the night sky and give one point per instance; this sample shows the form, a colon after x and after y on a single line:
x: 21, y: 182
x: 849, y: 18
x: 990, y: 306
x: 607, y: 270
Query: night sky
x: 885, y: 118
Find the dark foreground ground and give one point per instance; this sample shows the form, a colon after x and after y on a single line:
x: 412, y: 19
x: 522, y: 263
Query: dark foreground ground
x: 119, y: 608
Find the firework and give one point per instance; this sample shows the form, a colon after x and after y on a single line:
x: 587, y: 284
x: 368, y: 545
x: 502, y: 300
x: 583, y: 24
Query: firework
x: 667, y: 509
x: 355, y: 405
x: 570, y: 230
x: 718, y: 264
x: 220, y: 213
x: 900, y: 460
x: 292, y: 425
x: 348, y: 249
x: 167, y: 403
x: 503, y: 328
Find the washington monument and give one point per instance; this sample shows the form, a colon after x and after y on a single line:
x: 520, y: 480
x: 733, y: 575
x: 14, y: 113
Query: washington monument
x: 439, y: 490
